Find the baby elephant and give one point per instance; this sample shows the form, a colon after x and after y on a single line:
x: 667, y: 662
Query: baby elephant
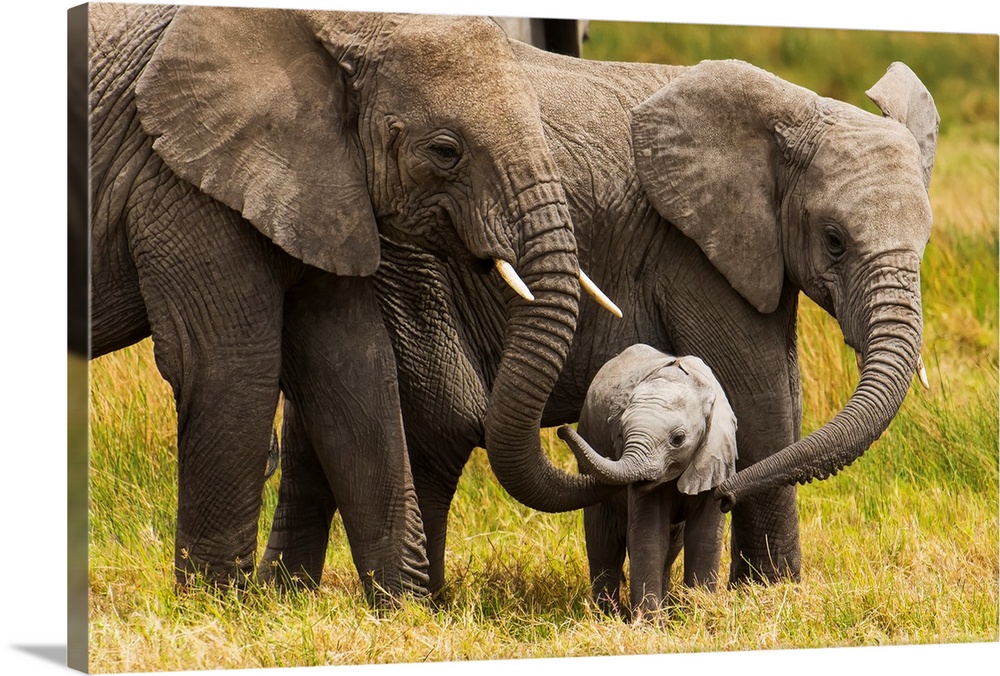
x: 662, y: 426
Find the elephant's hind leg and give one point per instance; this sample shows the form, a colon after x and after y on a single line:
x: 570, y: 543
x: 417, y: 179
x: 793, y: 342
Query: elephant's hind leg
x: 339, y: 372
x: 436, y: 471
x: 300, y: 531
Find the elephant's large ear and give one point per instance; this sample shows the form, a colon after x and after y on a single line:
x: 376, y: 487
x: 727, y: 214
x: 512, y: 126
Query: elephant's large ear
x: 247, y: 105
x: 706, y: 150
x: 903, y: 97
x: 715, y: 460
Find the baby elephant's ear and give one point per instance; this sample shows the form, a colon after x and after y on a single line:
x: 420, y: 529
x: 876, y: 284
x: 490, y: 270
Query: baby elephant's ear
x: 715, y: 460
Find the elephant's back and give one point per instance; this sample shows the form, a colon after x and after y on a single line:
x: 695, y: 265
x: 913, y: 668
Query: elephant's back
x: 587, y: 93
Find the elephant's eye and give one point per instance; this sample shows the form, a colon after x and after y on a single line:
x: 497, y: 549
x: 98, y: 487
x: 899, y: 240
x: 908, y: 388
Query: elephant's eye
x: 677, y: 438
x: 834, y: 242
x: 446, y: 151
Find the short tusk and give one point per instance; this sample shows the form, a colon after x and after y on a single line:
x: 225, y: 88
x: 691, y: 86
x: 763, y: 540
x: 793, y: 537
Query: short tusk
x: 921, y: 370
x: 922, y: 373
x: 857, y: 359
x: 506, y: 271
x: 602, y: 299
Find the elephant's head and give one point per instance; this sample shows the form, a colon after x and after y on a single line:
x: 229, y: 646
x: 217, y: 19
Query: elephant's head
x: 780, y: 186
x: 324, y: 129
x: 668, y: 419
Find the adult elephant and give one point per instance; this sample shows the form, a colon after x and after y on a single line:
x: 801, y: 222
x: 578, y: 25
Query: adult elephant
x: 243, y: 165
x: 704, y: 199
x: 706, y: 211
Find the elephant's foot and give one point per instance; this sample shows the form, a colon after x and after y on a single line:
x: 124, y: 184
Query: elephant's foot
x: 226, y: 573
x: 386, y: 592
x: 300, y: 531
x: 274, y: 570
x: 767, y: 572
x: 766, y: 539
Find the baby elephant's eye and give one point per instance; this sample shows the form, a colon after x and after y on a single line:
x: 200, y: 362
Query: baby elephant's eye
x: 677, y: 438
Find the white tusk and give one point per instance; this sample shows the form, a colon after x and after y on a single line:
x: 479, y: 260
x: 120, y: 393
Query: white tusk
x: 506, y: 271
x: 922, y: 373
x: 588, y: 285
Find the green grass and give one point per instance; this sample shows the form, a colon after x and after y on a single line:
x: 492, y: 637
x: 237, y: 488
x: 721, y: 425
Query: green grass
x: 960, y: 70
x: 901, y: 547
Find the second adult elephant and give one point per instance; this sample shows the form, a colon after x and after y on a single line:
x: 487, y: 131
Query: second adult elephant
x: 244, y: 164
x: 704, y: 199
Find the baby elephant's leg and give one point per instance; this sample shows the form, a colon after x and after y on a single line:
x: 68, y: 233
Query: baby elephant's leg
x: 649, y: 530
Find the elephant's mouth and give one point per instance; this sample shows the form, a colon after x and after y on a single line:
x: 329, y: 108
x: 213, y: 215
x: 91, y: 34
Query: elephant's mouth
x: 645, y: 486
x: 484, y: 266
x: 481, y: 266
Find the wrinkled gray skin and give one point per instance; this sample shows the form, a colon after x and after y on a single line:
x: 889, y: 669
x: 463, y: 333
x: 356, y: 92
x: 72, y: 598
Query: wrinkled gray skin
x: 663, y: 427
x: 703, y: 199
x: 244, y: 165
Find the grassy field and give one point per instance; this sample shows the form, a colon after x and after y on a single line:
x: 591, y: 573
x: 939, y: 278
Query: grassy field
x: 900, y: 548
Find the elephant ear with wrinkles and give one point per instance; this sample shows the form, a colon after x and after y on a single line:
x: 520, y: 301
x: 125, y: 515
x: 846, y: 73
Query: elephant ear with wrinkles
x: 709, y: 149
x: 902, y: 97
x: 706, y: 151
x: 715, y: 459
x: 250, y: 107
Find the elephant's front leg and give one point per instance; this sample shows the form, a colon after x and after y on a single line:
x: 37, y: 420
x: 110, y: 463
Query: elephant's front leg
x: 339, y: 373
x: 225, y: 409
x: 765, y: 532
x: 754, y: 357
x: 649, y: 531
x: 765, y: 527
x: 214, y: 304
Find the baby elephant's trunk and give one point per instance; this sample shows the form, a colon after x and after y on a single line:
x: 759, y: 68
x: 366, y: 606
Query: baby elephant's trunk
x: 633, y: 466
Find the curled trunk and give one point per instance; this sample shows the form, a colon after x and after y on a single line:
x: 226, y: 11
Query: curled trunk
x: 538, y: 338
x: 633, y: 466
x: 890, y: 355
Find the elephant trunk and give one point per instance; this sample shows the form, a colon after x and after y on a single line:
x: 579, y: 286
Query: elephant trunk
x: 538, y: 337
x: 633, y: 466
x: 890, y: 354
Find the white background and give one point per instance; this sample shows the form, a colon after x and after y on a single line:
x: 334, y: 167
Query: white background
x: 33, y: 349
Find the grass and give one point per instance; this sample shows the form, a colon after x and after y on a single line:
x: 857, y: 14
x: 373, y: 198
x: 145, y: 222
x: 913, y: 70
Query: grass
x: 960, y: 70
x: 900, y: 548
